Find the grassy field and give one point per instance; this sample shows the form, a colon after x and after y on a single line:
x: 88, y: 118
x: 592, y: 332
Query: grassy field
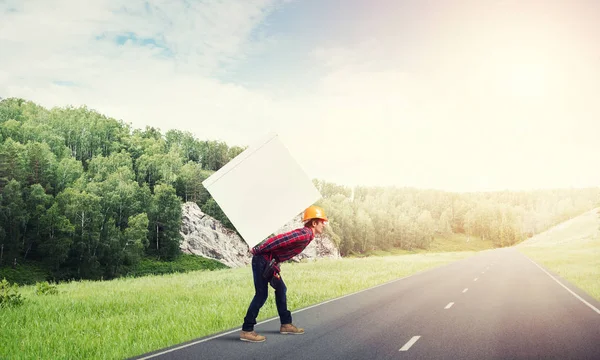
x: 126, y: 317
x: 452, y: 243
x: 460, y: 242
x: 130, y: 316
x: 571, y: 250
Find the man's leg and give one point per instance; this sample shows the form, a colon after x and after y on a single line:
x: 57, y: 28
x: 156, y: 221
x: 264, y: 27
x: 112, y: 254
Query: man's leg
x: 261, y: 292
x: 285, y: 316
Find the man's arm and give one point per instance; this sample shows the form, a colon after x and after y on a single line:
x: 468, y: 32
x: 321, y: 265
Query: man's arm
x: 278, y: 241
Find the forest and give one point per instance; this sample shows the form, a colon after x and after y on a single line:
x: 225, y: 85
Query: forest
x: 87, y: 196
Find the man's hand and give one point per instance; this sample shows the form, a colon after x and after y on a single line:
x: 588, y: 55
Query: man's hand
x: 254, y: 250
x: 275, y: 281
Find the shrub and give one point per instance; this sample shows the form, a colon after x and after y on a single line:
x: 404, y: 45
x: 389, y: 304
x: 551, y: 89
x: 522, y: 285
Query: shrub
x: 182, y: 264
x: 25, y: 273
x: 45, y: 288
x: 9, y: 295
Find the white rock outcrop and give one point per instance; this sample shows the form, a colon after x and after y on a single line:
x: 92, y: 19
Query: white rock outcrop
x: 207, y: 237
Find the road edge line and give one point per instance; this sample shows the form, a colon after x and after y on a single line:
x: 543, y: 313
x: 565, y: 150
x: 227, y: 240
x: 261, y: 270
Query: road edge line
x: 294, y: 312
x: 561, y: 284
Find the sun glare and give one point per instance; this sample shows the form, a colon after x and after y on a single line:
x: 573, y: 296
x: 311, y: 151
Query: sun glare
x: 527, y: 80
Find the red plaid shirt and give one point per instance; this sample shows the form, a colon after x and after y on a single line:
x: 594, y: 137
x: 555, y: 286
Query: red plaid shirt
x: 285, y: 246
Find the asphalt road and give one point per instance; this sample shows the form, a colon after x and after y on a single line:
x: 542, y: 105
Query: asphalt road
x: 497, y: 304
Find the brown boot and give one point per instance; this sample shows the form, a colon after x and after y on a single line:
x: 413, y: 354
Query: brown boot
x: 290, y: 329
x: 251, y: 336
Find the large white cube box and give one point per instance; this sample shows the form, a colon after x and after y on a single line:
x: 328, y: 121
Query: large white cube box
x: 261, y: 189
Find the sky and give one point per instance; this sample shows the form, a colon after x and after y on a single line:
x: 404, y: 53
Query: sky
x: 454, y: 95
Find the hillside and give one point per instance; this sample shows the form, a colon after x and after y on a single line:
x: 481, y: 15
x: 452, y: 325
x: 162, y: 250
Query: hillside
x: 87, y: 196
x: 571, y: 250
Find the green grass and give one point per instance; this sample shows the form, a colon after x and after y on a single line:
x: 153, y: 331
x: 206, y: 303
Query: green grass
x: 460, y: 242
x: 130, y: 316
x: 571, y: 250
x: 452, y: 243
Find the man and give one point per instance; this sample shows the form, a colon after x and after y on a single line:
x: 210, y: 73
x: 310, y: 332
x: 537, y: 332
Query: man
x: 279, y: 248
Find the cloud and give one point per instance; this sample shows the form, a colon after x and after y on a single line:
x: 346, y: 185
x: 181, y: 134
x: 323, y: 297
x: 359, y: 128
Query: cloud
x: 438, y: 105
x: 147, y: 62
x: 201, y: 34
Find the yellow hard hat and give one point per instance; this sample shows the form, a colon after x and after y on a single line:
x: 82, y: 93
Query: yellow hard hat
x: 314, y: 212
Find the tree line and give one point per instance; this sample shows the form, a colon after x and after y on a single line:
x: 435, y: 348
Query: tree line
x: 371, y: 218
x: 90, y: 196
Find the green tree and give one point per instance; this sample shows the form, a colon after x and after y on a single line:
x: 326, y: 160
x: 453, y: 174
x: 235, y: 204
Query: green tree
x: 170, y: 166
x: 100, y: 167
x: 152, y: 167
x: 11, y: 129
x: 425, y: 229
x: 189, y: 183
x: 42, y: 132
x: 364, y: 230
x: 13, y: 217
x: 234, y: 151
x: 340, y: 215
x: 84, y: 212
x: 214, y: 154
x: 11, y: 108
x: 402, y: 226
x: 189, y: 147
x: 36, y: 204
x: 110, y: 253
x: 88, y: 133
x: 135, y: 239
x: 67, y: 171
x: 41, y: 164
x: 445, y: 223
x: 164, y: 220
x: 56, y: 237
x: 12, y: 163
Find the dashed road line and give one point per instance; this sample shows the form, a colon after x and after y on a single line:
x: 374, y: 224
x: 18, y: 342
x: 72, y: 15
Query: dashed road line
x: 449, y: 305
x: 293, y: 312
x: 465, y: 290
x: 410, y: 343
x: 475, y: 279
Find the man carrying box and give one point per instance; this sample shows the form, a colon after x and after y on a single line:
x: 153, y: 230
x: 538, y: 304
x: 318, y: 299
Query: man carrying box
x: 265, y: 269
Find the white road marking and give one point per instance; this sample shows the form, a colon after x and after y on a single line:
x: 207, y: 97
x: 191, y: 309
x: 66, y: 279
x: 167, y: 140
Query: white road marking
x: 465, y: 290
x: 449, y: 305
x: 293, y: 312
x: 410, y: 343
x: 483, y: 272
x: 475, y: 279
x: 569, y: 290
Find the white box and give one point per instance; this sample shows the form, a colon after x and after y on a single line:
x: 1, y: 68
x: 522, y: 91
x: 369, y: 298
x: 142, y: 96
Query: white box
x: 262, y: 189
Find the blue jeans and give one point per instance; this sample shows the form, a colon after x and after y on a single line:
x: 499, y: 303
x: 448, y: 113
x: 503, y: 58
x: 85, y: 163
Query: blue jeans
x: 261, y: 287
